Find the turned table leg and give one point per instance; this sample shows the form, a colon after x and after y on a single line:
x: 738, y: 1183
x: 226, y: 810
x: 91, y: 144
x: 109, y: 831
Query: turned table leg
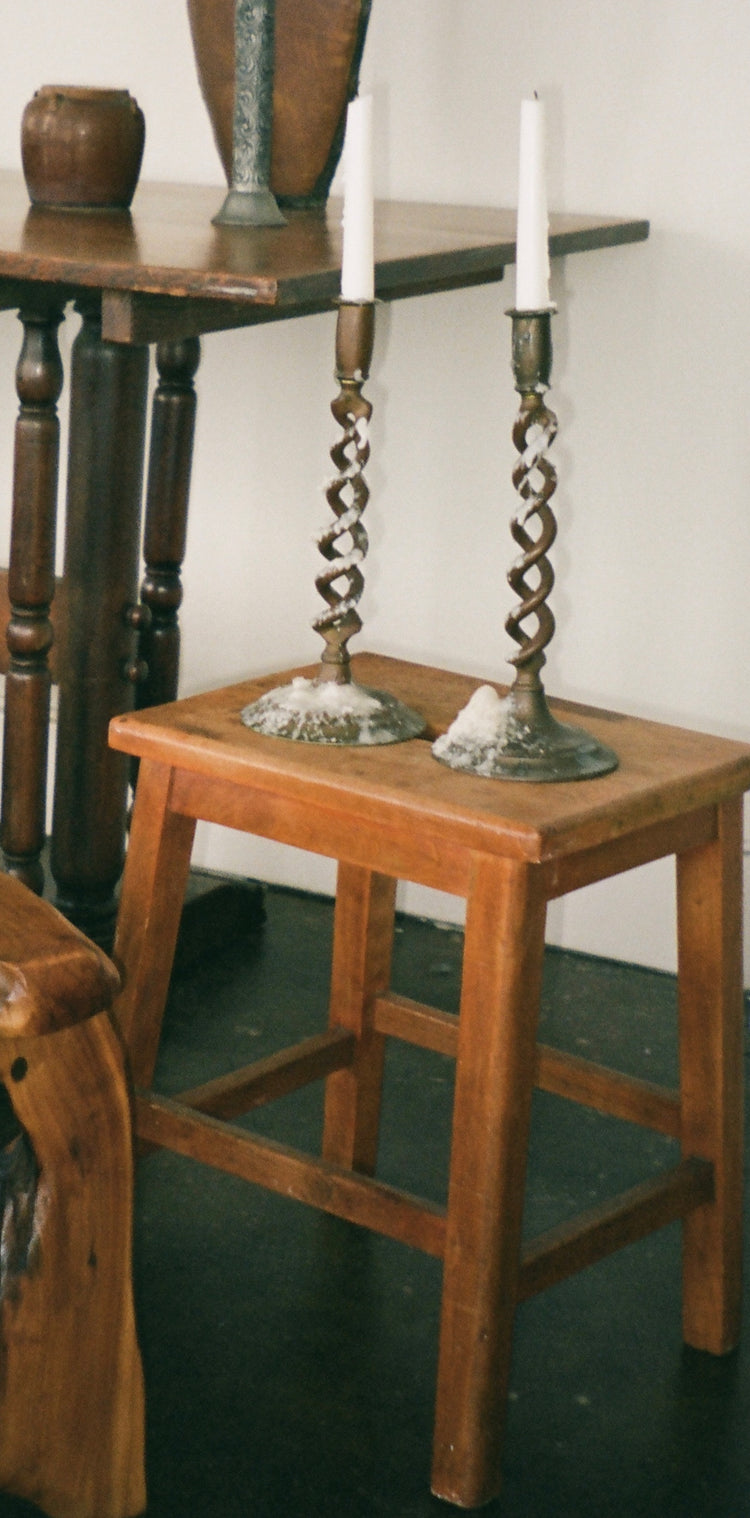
x: 97, y: 664
x: 170, y: 461
x: 39, y: 378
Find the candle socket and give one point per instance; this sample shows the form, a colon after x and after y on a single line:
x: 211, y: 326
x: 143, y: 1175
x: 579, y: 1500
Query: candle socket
x: 355, y: 337
x: 527, y: 742
x: 332, y: 708
x: 532, y: 349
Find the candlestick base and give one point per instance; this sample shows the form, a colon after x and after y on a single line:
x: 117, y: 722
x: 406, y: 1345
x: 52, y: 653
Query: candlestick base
x: 249, y: 208
x: 515, y: 737
x: 332, y: 712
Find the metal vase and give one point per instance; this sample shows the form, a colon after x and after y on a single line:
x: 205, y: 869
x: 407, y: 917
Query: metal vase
x: 250, y: 201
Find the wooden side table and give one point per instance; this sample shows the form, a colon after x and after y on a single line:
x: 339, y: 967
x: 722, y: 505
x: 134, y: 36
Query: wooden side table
x: 395, y: 813
x: 162, y: 275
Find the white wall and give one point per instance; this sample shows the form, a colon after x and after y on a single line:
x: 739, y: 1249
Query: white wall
x: 649, y: 116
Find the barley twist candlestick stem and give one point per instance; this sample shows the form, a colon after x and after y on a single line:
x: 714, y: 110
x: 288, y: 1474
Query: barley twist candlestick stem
x: 332, y: 707
x: 516, y: 737
x: 535, y: 481
x: 343, y: 543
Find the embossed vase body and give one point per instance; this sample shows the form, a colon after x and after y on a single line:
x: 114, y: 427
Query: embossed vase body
x: 82, y: 147
x: 251, y: 202
x: 253, y: 94
x: 318, y: 48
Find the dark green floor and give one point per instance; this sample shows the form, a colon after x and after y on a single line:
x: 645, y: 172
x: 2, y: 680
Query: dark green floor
x: 290, y: 1358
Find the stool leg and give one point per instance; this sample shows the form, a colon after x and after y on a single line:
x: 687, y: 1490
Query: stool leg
x: 361, y: 968
x: 709, y: 896
x: 153, y: 893
x: 503, y: 953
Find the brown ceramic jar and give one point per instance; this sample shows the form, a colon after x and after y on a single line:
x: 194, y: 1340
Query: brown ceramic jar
x: 82, y: 147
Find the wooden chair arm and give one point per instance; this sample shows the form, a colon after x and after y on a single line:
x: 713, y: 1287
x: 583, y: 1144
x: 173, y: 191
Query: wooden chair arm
x: 51, y: 976
x: 71, y: 1399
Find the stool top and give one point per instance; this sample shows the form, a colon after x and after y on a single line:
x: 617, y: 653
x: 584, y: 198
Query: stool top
x: 664, y: 772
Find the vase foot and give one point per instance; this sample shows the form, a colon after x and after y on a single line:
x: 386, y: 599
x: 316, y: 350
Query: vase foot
x: 250, y: 208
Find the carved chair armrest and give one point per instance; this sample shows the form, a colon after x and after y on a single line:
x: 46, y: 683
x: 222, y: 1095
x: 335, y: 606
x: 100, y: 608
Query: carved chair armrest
x: 51, y: 976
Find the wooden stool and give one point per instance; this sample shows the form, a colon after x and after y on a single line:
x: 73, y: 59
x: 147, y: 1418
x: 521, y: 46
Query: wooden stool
x: 394, y: 812
x: 71, y: 1398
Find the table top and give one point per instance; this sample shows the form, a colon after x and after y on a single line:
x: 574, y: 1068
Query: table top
x: 167, y: 247
x: 664, y: 772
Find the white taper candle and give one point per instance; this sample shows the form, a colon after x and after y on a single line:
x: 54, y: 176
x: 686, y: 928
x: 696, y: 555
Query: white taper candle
x: 532, y: 233
x: 358, y: 260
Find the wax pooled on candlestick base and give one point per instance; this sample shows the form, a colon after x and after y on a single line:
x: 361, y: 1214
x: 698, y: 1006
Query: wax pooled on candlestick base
x: 324, y: 711
x: 486, y: 727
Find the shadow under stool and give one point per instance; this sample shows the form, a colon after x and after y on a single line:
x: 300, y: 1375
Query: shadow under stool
x: 390, y: 813
x: 71, y: 1384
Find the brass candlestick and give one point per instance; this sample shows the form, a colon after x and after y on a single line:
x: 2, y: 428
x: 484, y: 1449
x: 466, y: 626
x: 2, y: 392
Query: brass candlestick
x: 515, y: 736
x: 333, y: 708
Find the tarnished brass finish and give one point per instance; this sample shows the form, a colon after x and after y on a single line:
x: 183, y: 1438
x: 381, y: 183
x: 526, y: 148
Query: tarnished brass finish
x: 532, y: 350
x: 343, y: 543
x: 522, y: 740
x: 535, y: 482
x: 333, y: 708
